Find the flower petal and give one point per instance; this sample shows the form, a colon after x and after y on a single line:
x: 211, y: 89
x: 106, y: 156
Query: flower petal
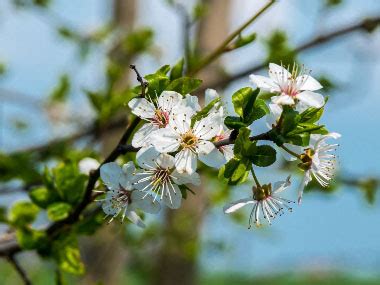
x: 110, y: 174
x: 210, y: 95
x: 172, y: 196
x: 142, y: 136
x: 87, y: 164
x: 213, y: 159
x: 192, y: 102
x: 142, y: 108
x: 165, y: 161
x: 181, y: 122
x: 205, y: 147
x: 168, y: 100
x: 277, y: 72
x: 186, y: 161
x: 165, y: 140
x: 185, y: 178
x: 311, y: 99
x: 282, y: 99
x: 306, y: 82
x: 134, y: 218
x: 146, y: 159
x: 208, y: 127
x: 145, y: 202
x: 264, y: 83
x: 281, y: 185
x: 232, y: 207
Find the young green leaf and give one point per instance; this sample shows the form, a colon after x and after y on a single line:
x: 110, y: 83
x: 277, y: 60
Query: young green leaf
x: 29, y: 238
x: 184, y: 85
x: 66, y: 252
x: 23, y: 213
x: 58, y: 211
x: 264, y: 155
x: 177, y: 70
x: 42, y: 197
x: 204, y: 112
x: 234, y: 123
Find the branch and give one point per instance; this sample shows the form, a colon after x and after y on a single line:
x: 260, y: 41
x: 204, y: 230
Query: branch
x: 19, y: 270
x: 222, y: 48
x: 367, y: 25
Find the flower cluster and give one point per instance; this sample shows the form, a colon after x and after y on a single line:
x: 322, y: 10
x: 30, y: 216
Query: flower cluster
x: 177, y: 132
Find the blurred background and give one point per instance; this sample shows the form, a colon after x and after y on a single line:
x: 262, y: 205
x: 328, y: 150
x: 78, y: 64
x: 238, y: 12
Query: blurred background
x: 55, y: 54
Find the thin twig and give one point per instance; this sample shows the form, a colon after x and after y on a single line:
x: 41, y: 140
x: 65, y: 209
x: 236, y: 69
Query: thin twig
x: 221, y: 49
x: 19, y: 270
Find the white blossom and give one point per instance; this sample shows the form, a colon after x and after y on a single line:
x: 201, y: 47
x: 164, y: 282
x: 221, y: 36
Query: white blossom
x: 318, y: 161
x: 189, y: 141
x: 87, y: 164
x: 265, y: 201
x: 294, y: 88
x: 158, y: 177
x: 122, y: 199
x: 156, y: 112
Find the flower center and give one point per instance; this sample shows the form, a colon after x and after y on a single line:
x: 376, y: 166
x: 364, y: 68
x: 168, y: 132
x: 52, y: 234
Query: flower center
x: 307, y: 159
x: 262, y: 192
x: 161, y: 118
x: 188, y: 140
x: 160, y: 176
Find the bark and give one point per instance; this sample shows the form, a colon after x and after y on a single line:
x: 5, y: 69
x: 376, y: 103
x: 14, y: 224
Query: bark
x: 178, y: 256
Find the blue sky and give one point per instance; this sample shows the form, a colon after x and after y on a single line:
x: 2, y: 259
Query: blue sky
x: 329, y: 231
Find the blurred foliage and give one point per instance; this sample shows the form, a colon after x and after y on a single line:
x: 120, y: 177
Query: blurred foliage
x: 61, y: 91
x: 279, y: 50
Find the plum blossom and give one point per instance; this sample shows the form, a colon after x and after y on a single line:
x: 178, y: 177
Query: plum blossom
x: 156, y: 113
x: 265, y: 201
x: 158, y: 177
x: 122, y: 199
x: 294, y: 88
x: 318, y: 161
x: 189, y: 141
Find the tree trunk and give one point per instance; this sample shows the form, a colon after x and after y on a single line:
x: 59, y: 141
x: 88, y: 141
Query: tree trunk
x: 178, y: 256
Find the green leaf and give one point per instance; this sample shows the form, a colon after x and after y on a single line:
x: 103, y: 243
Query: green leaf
x: 204, y: 112
x: 243, y: 41
x: 23, y: 213
x: 259, y: 110
x: 3, y: 215
x: 311, y: 115
x: 67, y: 254
x: 302, y: 139
x: 306, y: 127
x: 138, y: 41
x: 243, y: 99
x: 42, y: 197
x: 70, y: 184
x: 235, y: 171
x: 30, y: 239
x: 158, y: 82
x: 289, y: 120
x: 234, y: 123
x: 58, y: 211
x: 61, y: 91
x: 184, y: 85
x: 163, y: 69
x: 177, y: 70
x: 242, y: 143
x: 264, y: 155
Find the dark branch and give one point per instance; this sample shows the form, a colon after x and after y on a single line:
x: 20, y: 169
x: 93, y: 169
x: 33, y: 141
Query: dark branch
x: 19, y: 270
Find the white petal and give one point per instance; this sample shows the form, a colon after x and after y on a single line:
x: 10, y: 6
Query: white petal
x: 210, y: 95
x: 306, y: 82
x: 281, y: 185
x: 165, y: 140
x: 142, y: 136
x: 192, y: 102
x: 205, y: 147
x: 186, y: 161
x: 311, y: 99
x: 127, y: 178
x: 208, y: 127
x: 213, y: 159
x: 276, y: 71
x: 232, y: 207
x: 110, y: 174
x: 145, y: 202
x: 168, y: 100
x: 142, y: 108
x: 305, y: 180
x: 180, y: 122
x: 146, y: 159
x: 172, y: 197
x: 185, y: 178
x: 87, y: 164
x: 134, y: 218
x: 264, y: 83
x: 108, y: 206
x: 165, y: 161
x: 283, y: 99
x: 228, y: 152
x: 274, y: 115
x: 142, y: 181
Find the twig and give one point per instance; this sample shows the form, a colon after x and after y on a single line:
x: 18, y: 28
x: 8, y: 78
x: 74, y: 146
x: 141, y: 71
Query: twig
x: 221, y: 49
x: 367, y: 25
x: 19, y: 270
